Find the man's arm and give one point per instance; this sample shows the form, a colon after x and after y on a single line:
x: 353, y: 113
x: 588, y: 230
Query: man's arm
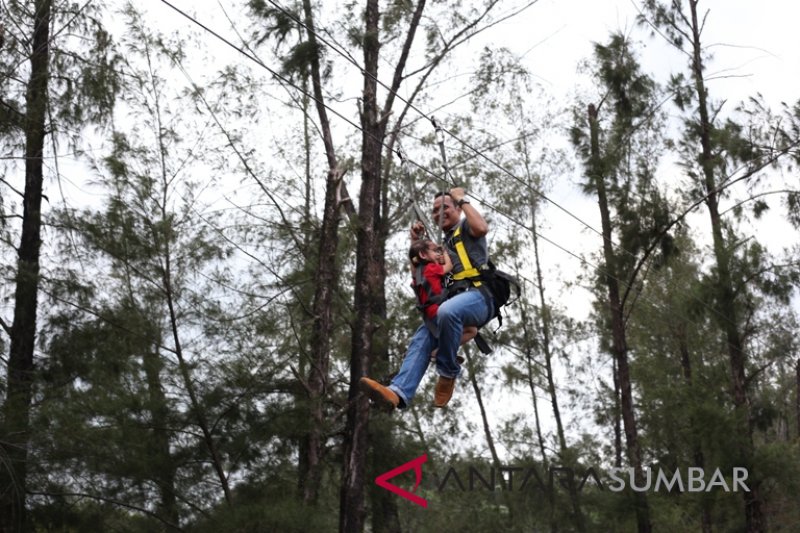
x: 477, y: 225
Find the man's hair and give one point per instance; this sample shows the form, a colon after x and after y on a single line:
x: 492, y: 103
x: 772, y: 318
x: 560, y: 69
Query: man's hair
x: 417, y: 247
x: 446, y: 193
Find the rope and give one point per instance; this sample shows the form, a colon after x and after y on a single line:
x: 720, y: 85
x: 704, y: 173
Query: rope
x: 418, y: 213
x: 447, y: 175
x: 426, y: 170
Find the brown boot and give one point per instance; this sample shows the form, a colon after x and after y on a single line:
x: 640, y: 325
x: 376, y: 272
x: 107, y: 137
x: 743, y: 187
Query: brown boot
x: 444, y: 391
x: 378, y: 393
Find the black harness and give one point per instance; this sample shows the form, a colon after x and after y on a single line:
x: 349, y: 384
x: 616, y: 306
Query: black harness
x: 423, y: 286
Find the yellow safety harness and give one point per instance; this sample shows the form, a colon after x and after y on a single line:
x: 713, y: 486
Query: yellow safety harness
x: 469, y: 270
x: 471, y: 274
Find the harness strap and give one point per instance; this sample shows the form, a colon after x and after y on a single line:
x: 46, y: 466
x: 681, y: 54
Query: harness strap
x: 482, y: 345
x: 469, y: 270
x: 421, y: 283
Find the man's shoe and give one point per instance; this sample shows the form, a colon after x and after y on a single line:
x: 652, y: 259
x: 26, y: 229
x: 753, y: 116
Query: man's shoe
x: 444, y: 391
x: 378, y: 393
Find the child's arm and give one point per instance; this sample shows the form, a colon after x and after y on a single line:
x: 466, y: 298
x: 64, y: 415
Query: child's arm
x: 448, y: 263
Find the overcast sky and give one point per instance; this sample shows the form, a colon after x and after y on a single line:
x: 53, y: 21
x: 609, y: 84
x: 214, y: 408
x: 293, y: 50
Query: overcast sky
x: 755, y: 47
x: 757, y: 40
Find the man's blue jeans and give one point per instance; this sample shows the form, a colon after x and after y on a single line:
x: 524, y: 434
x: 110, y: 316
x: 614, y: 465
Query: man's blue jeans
x: 468, y: 308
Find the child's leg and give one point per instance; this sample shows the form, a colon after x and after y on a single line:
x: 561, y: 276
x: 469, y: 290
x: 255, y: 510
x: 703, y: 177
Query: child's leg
x: 468, y: 334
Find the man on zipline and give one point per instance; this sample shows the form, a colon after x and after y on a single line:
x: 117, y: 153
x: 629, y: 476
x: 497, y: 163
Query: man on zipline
x: 466, y: 305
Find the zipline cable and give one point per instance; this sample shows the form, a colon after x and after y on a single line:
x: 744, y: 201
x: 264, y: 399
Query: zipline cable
x: 312, y: 97
x: 481, y: 154
x: 401, y: 154
x: 447, y: 175
x: 426, y: 170
x: 439, y: 129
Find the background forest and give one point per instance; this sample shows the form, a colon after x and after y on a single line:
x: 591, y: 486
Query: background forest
x: 204, y: 214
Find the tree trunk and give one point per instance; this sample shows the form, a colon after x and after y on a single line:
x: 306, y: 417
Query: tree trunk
x: 188, y: 383
x: 16, y: 409
x: 368, y: 284
x: 532, y: 386
x: 164, y: 470
x: 487, y: 430
x: 165, y: 233
x: 618, y: 340
x: 385, y: 517
x: 697, y: 450
x: 385, y: 513
x: 326, y: 285
x: 369, y: 291
x: 797, y: 396
x: 473, y: 379
x: 580, y: 524
x: 726, y: 310
x: 326, y: 276
x: 617, y: 417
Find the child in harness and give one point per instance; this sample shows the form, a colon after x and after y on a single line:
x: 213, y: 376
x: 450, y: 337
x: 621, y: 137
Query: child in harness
x: 430, y: 265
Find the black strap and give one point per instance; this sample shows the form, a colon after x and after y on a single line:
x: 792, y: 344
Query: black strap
x: 482, y: 345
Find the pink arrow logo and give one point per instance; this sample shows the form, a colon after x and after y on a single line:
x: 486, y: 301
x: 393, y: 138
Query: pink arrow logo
x: 416, y: 464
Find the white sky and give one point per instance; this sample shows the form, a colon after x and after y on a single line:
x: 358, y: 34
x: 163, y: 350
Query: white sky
x: 762, y: 38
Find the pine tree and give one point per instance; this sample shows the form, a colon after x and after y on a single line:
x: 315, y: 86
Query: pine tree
x: 619, y: 160
x: 171, y: 406
x: 305, y: 61
x: 46, y: 89
x: 711, y: 151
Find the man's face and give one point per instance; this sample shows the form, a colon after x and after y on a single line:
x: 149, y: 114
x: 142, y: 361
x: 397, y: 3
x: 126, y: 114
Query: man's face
x: 450, y: 214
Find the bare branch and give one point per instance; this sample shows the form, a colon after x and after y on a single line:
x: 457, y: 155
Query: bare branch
x: 768, y: 193
x: 401, y: 63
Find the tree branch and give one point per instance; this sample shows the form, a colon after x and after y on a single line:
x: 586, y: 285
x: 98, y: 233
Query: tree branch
x: 107, y: 500
x: 781, y: 191
x: 401, y: 63
x: 717, y: 190
x: 5, y: 327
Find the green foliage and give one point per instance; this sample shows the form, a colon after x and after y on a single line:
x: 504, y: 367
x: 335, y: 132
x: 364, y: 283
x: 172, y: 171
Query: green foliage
x: 65, y: 516
x: 127, y: 406
x: 268, y: 505
x: 793, y: 208
x: 281, y: 24
x: 499, y: 74
x: 80, y: 92
x: 300, y: 57
x: 627, y: 88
